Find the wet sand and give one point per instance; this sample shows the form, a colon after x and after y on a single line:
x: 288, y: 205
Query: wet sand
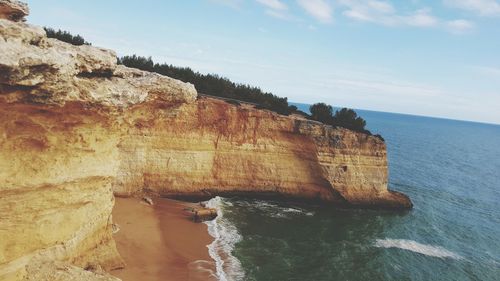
x: 161, y: 242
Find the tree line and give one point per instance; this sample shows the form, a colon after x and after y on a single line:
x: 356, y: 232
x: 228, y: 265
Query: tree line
x: 65, y: 36
x: 212, y: 84
x: 215, y: 85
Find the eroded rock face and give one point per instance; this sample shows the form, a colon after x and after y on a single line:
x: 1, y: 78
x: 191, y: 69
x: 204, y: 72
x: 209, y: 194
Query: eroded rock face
x: 13, y: 10
x: 211, y: 147
x: 37, y: 69
x: 58, y: 146
x: 77, y: 127
x: 56, y: 175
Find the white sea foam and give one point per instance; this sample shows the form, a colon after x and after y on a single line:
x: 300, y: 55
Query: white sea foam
x: 225, y: 238
x: 201, y: 269
x: 410, y: 245
x: 276, y: 211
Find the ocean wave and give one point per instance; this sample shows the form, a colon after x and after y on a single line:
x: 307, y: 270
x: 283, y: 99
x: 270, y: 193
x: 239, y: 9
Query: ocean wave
x: 275, y: 210
x: 410, y: 245
x: 225, y: 237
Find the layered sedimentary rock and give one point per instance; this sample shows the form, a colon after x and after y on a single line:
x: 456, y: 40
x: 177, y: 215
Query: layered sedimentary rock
x: 55, y: 190
x: 60, y: 105
x: 77, y: 127
x: 210, y: 147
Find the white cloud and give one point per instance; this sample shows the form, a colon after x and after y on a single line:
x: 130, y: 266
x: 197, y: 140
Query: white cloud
x: 482, y: 7
x: 278, y: 14
x: 371, y: 10
x: 357, y: 15
x: 276, y: 9
x: 321, y: 10
x: 459, y: 26
x: 381, y: 6
x: 274, y: 4
x: 383, y: 13
x: 421, y: 18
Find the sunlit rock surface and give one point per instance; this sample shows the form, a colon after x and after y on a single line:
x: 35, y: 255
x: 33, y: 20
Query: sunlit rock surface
x: 211, y: 147
x: 77, y: 127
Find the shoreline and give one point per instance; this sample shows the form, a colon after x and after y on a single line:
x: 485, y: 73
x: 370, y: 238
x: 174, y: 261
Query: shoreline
x: 161, y: 241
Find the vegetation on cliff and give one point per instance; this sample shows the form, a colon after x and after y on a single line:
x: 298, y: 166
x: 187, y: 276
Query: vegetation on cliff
x: 212, y: 84
x: 215, y: 85
x: 66, y: 36
x: 344, y: 117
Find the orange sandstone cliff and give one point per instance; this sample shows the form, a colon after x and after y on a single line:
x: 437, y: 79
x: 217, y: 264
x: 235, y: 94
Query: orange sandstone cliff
x: 76, y: 128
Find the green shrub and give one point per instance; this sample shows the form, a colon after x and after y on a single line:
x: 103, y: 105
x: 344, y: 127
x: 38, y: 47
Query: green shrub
x: 349, y: 119
x: 321, y: 112
x: 65, y: 37
x: 344, y: 117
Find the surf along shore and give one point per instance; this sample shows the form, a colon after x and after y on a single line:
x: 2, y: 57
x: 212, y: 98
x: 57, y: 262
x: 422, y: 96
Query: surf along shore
x: 161, y: 241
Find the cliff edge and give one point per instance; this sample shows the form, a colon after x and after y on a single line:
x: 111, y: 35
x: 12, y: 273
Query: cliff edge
x: 77, y: 128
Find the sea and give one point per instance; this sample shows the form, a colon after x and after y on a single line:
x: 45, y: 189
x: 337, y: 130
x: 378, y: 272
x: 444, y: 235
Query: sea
x: 451, y: 171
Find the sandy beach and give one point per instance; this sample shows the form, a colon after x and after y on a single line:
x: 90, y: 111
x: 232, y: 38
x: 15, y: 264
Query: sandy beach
x: 161, y: 242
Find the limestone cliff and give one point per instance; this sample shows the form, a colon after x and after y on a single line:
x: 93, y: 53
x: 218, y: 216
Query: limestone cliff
x: 76, y: 126
x: 210, y: 147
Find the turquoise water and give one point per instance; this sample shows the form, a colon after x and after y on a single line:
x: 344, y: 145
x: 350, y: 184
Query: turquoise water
x: 451, y: 171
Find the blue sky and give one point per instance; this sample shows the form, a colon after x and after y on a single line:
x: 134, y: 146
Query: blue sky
x: 435, y: 58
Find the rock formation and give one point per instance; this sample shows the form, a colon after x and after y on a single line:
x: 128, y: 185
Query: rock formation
x: 210, y: 147
x: 13, y: 10
x: 77, y: 127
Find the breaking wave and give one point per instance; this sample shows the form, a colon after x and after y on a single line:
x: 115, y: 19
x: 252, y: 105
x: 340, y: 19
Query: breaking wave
x: 410, y: 245
x: 275, y: 210
x: 225, y: 237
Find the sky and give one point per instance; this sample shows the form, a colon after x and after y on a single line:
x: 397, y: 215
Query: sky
x: 437, y: 58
